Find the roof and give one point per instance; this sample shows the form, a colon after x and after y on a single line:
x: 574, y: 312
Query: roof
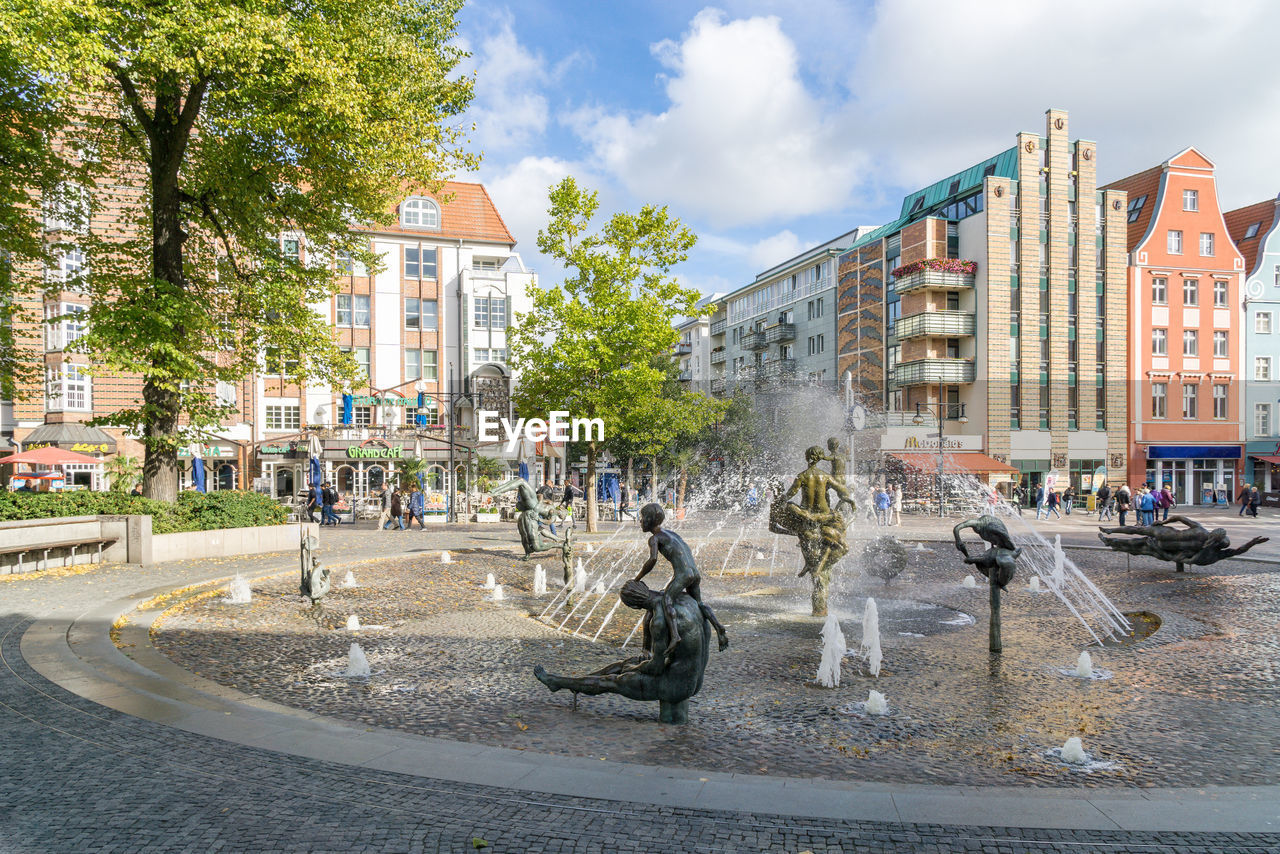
x: 71, y: 434
x: 470, y: 215
x: 924, y: 202
x: 1144, y: 191
x: 1258, y: 218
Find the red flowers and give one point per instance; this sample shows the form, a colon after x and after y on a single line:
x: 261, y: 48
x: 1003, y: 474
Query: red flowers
x: 942, y: 265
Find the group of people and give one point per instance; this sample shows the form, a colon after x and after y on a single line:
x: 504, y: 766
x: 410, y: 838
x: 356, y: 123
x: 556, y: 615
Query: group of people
x: 887, y: 504
x: 1145, y: 502
x: 323, y: 498
x: 401, y: 507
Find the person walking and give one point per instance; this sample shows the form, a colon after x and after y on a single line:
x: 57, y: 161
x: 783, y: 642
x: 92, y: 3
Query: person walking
x: 1146, y: 507
x: 1054, y: 501
x: 1123, y: 501
x: 395, y: 510
x: 1166, y: 501
x: 883, y: 505
x: 328, y: 497
x: 1102, y: 502
x: 417, y: 508
x: 624, y: 502
x: 1042, y: 502
x: 384, y: 506
x: 1255, y: 498
x: 1069, y: 498
x: 1243, y: 498
x: 313, y: 502
x: 895, y: 492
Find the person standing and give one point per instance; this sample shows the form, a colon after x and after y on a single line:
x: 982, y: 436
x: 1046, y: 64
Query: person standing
x: 1243, y: 498
x: 1147, y: 506
x: 624, y: 501
x: 883, y: 505
x: 395, y: 508
x: 1069, y: 498
x: 1054, y: 501
x: 1166, y: 501
x: 384, y: 505
x: 895, y: 492
x: 1255, y: 498
x: 1123, y: 499
x: 329, y: 497
x: 313, y: 502
x: 1042, y: 502
x: 417, y: 508
x: 1102, y: 502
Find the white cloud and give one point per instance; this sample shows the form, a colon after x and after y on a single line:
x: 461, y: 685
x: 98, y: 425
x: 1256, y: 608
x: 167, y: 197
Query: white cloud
x: 509, y: 108
x: 520, y: 194
x: 742, y: 140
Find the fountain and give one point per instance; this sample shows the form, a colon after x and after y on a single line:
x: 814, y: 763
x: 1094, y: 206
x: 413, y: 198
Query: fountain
x: 489, y: 581
x: 1033, y: 586
x: 833, y: 650
x: 530, y: 513
x: 1073, y: 751
x: 759, y: 555
x: 1059, y: 562
x: 579, y: 578
x: 997, y: 563
x: 876, y: 704
x: 969, y: 582
x: 871, y: 637
x: 1193, y: 543
x: 1084, y: 666
x: 497, y: 595
x: 539, y: 581
x: 444, y: 558
x: 238, y: 592
x: 353, y: 623
x: 590, y: 548
x: 884, y: 557
x: 357, y: 664
x: 598, y: 589
x: 350, y: 580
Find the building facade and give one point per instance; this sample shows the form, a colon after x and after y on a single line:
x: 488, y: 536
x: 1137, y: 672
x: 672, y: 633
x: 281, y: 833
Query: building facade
x: 1186, y: 345
x: 693, y: 350
x: 1256, y: 232
x: 998, y: 294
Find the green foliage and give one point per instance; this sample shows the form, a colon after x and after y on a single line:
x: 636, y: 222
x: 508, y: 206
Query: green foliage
x: 193, y: 511
x: 409, y: 470
x: 222, y: 130
x: 123, y: 472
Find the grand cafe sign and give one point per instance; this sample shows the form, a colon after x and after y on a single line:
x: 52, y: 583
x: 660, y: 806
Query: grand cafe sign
x: 369, y: 449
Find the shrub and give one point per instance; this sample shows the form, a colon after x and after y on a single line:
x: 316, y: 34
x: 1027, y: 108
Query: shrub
x: 194, y: 511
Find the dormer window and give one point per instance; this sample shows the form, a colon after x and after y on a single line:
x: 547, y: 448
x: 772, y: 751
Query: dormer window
x: 420, y: 213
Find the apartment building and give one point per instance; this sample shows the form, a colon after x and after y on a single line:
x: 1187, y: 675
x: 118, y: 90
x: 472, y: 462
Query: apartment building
x: 1186, y: 344
x: 1255, y: 229
x: 996, y: 302
x: 693, y: 350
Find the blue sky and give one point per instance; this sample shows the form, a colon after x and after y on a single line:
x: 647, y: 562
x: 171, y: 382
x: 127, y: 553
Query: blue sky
x: 769, y: 127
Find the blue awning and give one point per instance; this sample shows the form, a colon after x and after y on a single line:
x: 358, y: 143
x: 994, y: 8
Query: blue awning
x: 1201, y: 452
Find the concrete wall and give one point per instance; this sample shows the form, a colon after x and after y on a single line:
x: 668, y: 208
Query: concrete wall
x: 229, y: 542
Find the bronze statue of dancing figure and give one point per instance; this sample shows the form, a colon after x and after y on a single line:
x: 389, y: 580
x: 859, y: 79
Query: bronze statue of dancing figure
x: 530, y: 512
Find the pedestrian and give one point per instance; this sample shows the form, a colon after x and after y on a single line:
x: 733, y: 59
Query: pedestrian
x: 570, y: 493
x: 1166, y: 501
x: 624, y: 502
x: 395, y: 508
x: 1243, y: 498
x: 1146, y: 507
x: 895, y: 492
x: 313, y: 502
x: 1255, y: 498
x: 328, y: 498
x: 1123, y: 501
x: 1042, y: 502
x: 1069, y: 498
x: 384, y: 505
x: 883, y: 505
x: 1102, y: 502
x: 417, y: 508
x: 1054, y: 501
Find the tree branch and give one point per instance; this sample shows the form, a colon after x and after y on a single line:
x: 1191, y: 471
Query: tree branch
x: 207, y: 209
x: 134, y: 102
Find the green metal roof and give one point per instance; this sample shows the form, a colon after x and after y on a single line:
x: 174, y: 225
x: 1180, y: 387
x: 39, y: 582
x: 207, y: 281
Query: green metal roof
x: 938, y: 194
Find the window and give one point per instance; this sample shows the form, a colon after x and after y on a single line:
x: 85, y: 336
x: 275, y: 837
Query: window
x: 429, y: 315
x: 953, y: 348
x: 69, y: 388
x: 1262, y: 369
x: 817, y: 344
x: 60, y: 334
x: 1190, y: 342
x: 346, y: 264
x: 1191, y: 200
x: 67, y: 208
x: 1159, y: 342
x: 1190, y: 395
x: 421, y: 213
x: 1252, y: 231
x: 276, y: 365
x: 480, y: 314
x: 1278, y: 275
x: 284, y: 417
x: 1159, y: 291
x: 71, y: 265
x: 412, y: 364
x: 498, y: 313
x: 1206, y: 244
x: 1220, y: 344
x: 1174, y: 242
x: 419, y: 262
x: 291, y: 248
x: 412, y: 313
x: 1262, y: 419
x: 1220, y: 293
x: 953, y: 300
x: 1262, y: 323
x: 1135, y: 208
x: 499, y: 355
x: 1159, y: 396
x: 429, y: 365
x: 481, y: 355
x: 361, y: 355
x: 362, y: 416
x: 353, y: 309
x: 1219, y: 401
x: 1190, y: 291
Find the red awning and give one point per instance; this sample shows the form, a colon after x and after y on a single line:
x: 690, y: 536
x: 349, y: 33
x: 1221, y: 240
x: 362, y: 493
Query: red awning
x: 1275, y: 460
x: 971, y: 461
x: 49, y: 456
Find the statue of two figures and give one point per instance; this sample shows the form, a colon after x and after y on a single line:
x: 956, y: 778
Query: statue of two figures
x: 677, y: 633
x: 531, y: 513
x: 315, y: 582
x: 819, y: 528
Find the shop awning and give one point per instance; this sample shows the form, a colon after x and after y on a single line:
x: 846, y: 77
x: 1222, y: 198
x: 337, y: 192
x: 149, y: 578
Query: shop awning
x: 71, y: 436
x: 1201, y: 452
x: 1272, y: 460
x: 971, y: 462
x: 48, y: 456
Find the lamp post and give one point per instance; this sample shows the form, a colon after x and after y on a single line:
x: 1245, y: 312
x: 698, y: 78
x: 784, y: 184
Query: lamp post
x: 942, y: 416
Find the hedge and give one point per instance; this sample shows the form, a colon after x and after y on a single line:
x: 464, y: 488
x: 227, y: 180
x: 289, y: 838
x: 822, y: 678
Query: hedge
x: 194, y: 511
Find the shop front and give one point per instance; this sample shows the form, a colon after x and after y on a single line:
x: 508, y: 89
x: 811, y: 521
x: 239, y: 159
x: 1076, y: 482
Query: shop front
x: 221, y: 465
x: 1196, y: 474
x: 81, y: 439
x: 915, y: 459
x: 1262, y: 469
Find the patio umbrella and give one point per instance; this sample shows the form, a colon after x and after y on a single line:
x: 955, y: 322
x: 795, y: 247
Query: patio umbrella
x: 49, y: 456
x: 197, y: 473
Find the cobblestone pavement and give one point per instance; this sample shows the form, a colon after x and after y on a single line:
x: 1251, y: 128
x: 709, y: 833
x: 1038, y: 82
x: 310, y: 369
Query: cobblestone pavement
x: 76, y: 776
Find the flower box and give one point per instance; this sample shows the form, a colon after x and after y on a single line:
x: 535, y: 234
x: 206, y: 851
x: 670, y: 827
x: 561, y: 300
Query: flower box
x: 941, y: 265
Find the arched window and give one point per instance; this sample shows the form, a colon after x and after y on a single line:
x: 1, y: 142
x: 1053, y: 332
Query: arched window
x: 420, y: 213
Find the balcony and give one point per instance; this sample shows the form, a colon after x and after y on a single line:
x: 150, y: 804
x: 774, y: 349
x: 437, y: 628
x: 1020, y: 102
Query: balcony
x: 718, y: 325
x: 780, y: 332
x: 941, y: 323
x: 718, y: 356
x: 753, y: 341
x: 685, y: 376
x: 930, y: 371
x: 717, y: 386
x: 922, y: 279
x: 777, y: 369
x: 684, y: 348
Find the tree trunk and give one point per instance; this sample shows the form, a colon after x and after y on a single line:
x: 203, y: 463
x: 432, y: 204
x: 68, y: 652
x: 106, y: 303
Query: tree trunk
x: 160, y: 465
x: 654, y: 477
x: 593, y: 510
x: 630, y: 480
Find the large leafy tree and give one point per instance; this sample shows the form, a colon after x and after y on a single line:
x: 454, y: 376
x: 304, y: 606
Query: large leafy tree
x: 590, y: 344
x: 227, y: 130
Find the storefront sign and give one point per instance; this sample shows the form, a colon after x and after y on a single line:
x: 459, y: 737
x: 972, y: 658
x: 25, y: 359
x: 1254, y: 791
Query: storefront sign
x: 920, y: 440
x: 275, y: 449
x: 78, y: 447
x: 389, y: 400
x: 375, y: 450
x: 211, y: 452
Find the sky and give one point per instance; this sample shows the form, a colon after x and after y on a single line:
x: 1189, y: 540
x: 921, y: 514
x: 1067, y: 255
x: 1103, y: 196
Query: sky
x: 772, y: 127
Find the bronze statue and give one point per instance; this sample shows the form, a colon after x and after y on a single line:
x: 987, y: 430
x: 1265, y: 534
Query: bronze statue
x: 684, y: 573
x: 997, y: 563
x: 315, y: 577
x: 672, y: 677
x: 530, y: 512
x: 819, y: 528
x: 1195, y: 544
x: 566, y: 554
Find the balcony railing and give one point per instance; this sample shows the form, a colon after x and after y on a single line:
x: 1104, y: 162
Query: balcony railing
x: 922, y: 371
x: 933, y: 279
x: 684, y: 349
x: 718, y: 356
x: 717, y: 386
x: 777, y: 368
x: 780, y: 332
x: 753, y: 341
x: 685, y: 376
x: 946, y: 323
x: 718, y: 325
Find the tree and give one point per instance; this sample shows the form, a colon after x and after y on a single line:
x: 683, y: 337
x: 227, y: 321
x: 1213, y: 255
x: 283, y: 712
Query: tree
x: 123, y: 472
x: 244, y: 145
x: 589, y: 344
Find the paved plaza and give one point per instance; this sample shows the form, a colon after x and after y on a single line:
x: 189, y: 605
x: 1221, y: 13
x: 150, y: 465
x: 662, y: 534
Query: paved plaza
x: 188, y: 734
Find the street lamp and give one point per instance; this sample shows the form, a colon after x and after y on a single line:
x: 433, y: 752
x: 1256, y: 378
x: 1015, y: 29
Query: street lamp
x: 942, y: 416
